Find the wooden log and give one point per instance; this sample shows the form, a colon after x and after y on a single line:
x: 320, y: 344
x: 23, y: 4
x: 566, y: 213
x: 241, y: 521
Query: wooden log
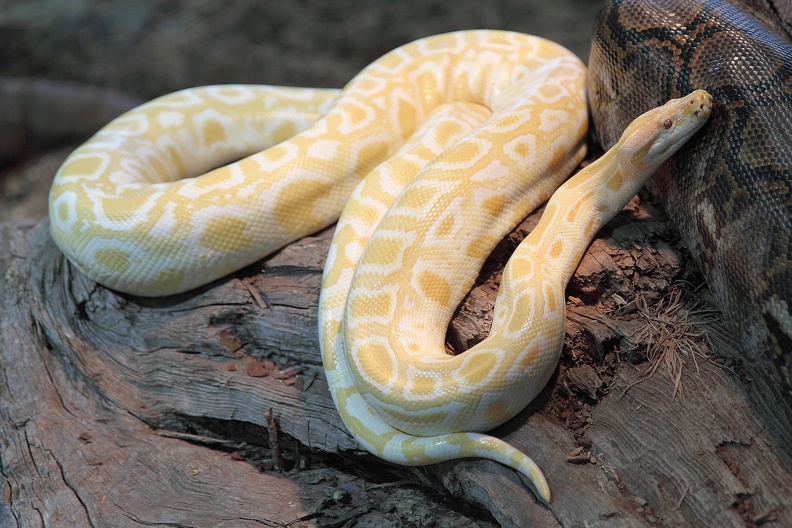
x: 118, y: 410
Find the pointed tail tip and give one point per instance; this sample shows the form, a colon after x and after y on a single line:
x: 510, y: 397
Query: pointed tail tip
x: 539, y: 482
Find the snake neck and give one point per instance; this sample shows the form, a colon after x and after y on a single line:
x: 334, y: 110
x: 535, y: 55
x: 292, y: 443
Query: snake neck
x: 576, y: 212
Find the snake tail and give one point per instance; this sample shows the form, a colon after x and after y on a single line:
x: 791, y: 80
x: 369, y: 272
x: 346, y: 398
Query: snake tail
x: 395, y: 428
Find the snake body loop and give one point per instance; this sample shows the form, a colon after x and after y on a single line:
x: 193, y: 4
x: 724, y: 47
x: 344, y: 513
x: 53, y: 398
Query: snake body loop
x: 438, y: 149
x: 730, y: 191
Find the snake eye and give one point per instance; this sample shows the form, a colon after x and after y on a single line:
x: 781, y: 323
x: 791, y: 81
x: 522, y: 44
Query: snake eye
x: 667, y: 124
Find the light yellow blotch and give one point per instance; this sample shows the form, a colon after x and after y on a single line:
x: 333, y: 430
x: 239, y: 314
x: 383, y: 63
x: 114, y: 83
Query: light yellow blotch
x: 446, y: 225
x: 341, y: 239
x: 369, y: 214
x: 295, y: 207
x: 551, y: 210
x: 81, y: 165
x: 387, y: 250
x: 560, y: 156
x: 540, y: 229
x: 479, y: 246
x: 549, y: 296
x: 370, y: 156
x: 474, y: 371
x: 376, y: 362
x: 177, y: 161
x: 473, y: 155
x: 521, y: 149
x: 158, y: 170
x: 224, y: 233
x: 355, y: 113
x: 427, y: 86
x: 366, y: 84
x: 465, y: 88
x: 284, y: 132
x: 441, y: 41
x: 574, y: 210
x: 529, y: 358
x: 166, y: 279
x: 118, y: 208
x: 548, y: 219
x: 378, y: 305
x: 213, y: 132
x: 494, y: 205
x: 434, y: 287
x: 520, y: 315
x: 590, y: 229
x: 443, y: 135
x: 615, y: 182
x: 356, y: 425
x: 521, y: 267
x: 556, y: 248
x: 429, y: 418
x: 417, y: 199
x: 63, y: 212
x: 407, y: 118
x: 496, y: 412
x: 423, y: 385
x: 112, y: 259
x: 547, y: 91
x: 274, y: 153
x: 371, y: 189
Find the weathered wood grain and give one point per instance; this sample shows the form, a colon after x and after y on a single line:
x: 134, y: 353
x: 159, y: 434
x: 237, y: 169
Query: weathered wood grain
x: 104, y: 396
x: 72, y: 456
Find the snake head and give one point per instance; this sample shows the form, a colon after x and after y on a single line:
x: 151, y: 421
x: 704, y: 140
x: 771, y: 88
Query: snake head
x: 656, y: 135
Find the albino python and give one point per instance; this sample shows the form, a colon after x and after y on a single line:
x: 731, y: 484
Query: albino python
x: 730, y: 191
x: 459, y: 136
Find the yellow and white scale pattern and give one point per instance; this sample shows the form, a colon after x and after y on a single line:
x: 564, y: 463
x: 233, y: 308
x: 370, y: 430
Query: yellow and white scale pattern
x: 458, y: 137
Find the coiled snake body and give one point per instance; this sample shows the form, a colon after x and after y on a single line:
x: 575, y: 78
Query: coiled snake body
x: 730, y: 191
x: 460, y: 136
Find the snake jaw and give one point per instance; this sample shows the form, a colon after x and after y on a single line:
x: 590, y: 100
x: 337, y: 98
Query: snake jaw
x: 676, y: 122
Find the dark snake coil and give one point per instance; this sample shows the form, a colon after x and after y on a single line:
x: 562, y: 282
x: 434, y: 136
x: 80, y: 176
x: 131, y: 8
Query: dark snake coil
x: 730, y: 189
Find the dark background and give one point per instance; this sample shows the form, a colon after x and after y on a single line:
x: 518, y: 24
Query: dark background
x: 152, y: 47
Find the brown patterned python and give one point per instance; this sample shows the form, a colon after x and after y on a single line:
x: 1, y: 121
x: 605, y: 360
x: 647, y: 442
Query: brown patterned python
x: 730, y: 191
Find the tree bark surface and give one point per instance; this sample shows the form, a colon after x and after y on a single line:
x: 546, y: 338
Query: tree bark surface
x: 122, y: 411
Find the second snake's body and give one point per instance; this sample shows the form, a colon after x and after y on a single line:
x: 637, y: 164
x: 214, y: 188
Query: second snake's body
x: 730, y: 191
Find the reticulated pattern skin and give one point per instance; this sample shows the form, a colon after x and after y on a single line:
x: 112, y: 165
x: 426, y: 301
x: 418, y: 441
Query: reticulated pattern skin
x: 437, y: 149
x: 384, y: 311
x: 730, y: 191
x: 126, y: 209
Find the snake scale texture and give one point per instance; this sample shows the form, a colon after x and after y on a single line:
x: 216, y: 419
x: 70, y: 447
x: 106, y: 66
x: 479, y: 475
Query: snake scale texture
x: 730, y: 190
x: 434, y: 152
